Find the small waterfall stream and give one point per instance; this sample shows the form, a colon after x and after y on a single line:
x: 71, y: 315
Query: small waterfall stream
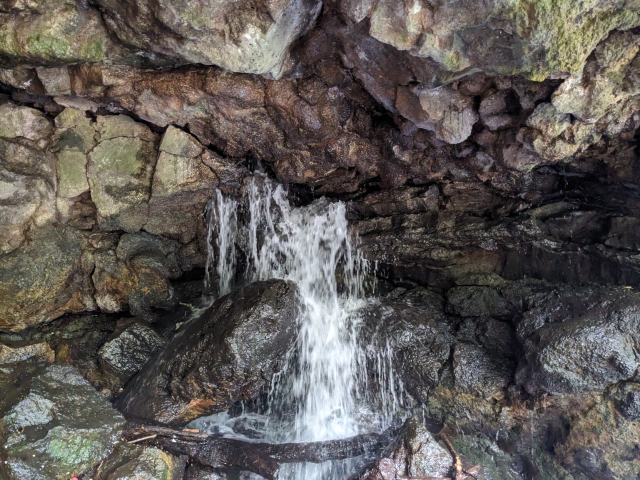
x: 324, y: 392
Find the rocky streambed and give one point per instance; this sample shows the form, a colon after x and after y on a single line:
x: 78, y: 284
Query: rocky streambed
x: 486, y: 158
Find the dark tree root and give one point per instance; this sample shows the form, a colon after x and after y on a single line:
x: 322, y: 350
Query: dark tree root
x: 261, y: 458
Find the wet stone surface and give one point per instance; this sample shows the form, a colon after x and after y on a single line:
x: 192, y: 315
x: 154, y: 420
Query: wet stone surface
x: 55, y: 425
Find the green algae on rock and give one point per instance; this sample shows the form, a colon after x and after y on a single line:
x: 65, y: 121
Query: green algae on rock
x: 51, y: 32
x: 60, y: 428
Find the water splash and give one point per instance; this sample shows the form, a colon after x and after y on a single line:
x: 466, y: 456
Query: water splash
x: 323, y: 393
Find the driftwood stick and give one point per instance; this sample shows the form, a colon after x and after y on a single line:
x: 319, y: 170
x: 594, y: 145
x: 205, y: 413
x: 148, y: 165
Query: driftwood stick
x: 134, y: 430
x: 458, y: 475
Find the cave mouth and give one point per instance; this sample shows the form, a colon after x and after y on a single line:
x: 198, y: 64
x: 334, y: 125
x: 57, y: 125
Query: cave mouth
x: 319, y: 239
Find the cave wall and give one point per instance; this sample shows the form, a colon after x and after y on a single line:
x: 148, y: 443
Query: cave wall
x: 470, y: 140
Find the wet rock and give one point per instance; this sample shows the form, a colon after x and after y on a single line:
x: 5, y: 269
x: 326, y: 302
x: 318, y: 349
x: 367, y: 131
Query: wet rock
x: 27, y: 174
x: 548, y: 120
x: 55, y: 80
x: 227, y: 354
x: 415, y: 330
x: 605, y: 81
x: 626, y: 397
x: 582, y: 341
x: 459, y: 36
x: 494, y: 335
x: 479, y: 372
x: 25, y: 122
x: 120, y: 171
x: 600, y: 443
x: 44, y: 279
x: 451, y: 113
x: 132, y: 462
x: 476, y: 301
x: 195, y: 472
x: 622, y: 233
x: 494, y: 462
x: 183, y: 182
x: 495, y: 110
x: 416, y: 454
x: 57, y: 427
x: 126, y: 354
x: 135, y: 274
x: 75, y: 135
x: 76, y: 340
x: 250, y: 36
x: 46, y: 32
x: 38, y: 351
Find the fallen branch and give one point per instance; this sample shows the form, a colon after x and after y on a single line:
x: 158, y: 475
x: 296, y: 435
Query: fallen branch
x: 261, y: 458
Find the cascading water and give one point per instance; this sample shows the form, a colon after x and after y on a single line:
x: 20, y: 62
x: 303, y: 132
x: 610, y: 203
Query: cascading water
x: 223, y: 213
x: 322, y: 393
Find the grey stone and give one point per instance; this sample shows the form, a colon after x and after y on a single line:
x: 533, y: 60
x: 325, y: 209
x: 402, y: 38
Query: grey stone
x: 60, y: 428
x: 479, y: 372
x: 127, y: 353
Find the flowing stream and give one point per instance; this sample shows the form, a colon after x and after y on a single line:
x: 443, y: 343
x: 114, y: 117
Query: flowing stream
x: 324, y: 392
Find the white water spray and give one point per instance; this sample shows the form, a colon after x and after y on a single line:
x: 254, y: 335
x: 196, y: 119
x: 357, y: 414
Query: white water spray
x: 322, y: 393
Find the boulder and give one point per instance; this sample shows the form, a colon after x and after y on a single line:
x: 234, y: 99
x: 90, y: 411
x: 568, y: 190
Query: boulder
x: 56, y: 426
x: 227, y: 354
x: 583, y: 341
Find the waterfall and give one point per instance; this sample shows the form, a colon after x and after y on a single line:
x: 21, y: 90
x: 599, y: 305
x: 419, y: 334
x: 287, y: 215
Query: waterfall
x: 322, y: 393
x: 221, y: 212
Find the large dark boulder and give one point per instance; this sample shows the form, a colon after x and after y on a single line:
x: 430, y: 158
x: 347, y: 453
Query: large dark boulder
x: 583, y: 341
x: 414, y: 328
x: 227, y: 354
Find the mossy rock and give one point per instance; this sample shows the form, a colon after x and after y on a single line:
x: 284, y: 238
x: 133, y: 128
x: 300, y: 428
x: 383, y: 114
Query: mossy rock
x: 59, y: 428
